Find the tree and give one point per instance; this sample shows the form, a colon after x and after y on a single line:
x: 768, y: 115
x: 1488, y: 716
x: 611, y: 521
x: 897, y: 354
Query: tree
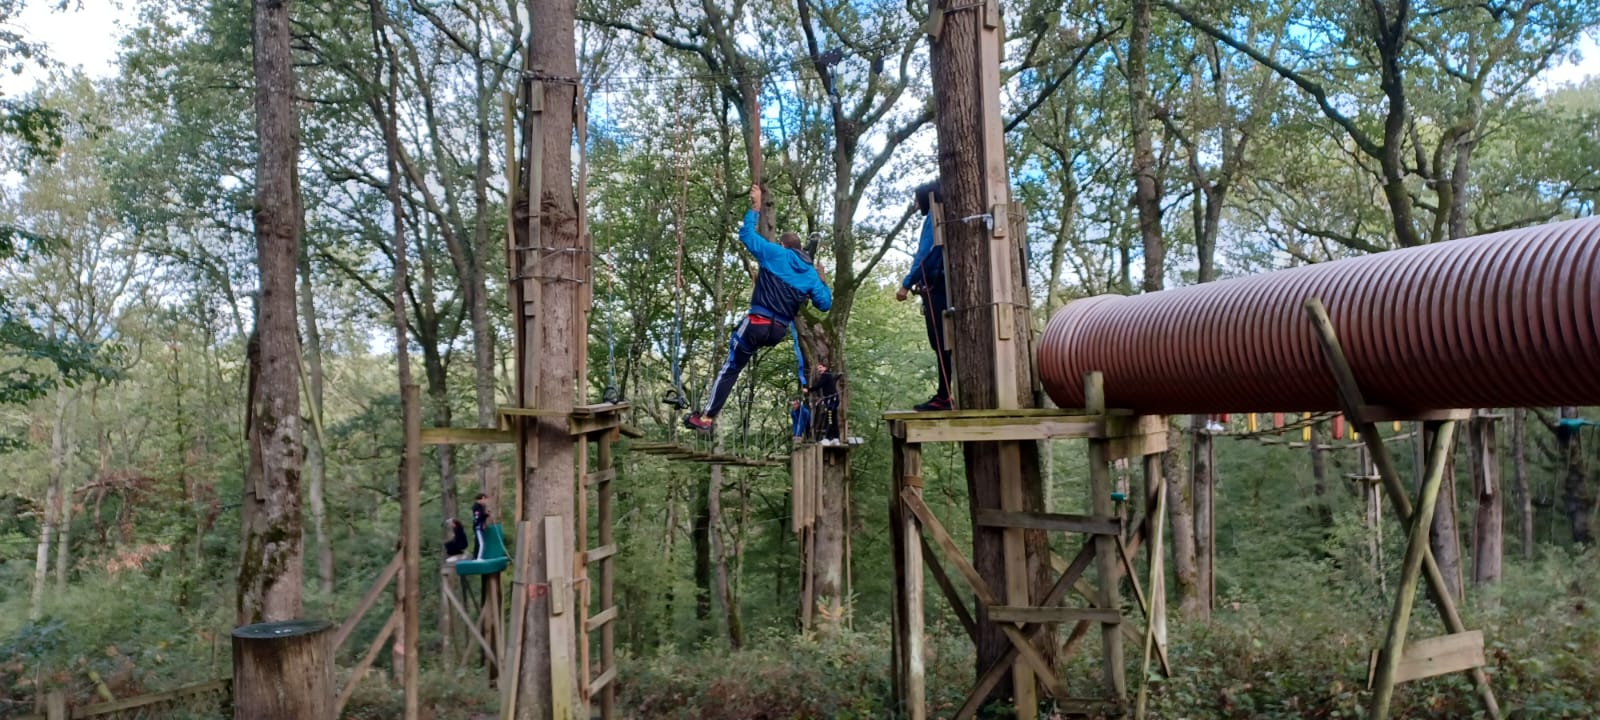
x: 270, y: 569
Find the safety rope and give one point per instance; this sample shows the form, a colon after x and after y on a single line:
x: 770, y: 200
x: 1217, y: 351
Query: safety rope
x: 675, y: 397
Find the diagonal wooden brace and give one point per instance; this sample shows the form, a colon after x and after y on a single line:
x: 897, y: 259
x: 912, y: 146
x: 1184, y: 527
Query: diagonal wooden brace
x: 985, y: 595
x: 1353, y: 404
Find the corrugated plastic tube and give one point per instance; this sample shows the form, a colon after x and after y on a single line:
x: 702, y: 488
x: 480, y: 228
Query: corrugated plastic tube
x: 1510, y: 319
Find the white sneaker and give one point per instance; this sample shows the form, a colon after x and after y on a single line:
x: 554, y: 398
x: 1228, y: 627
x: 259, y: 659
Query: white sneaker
x: 1214, y: 426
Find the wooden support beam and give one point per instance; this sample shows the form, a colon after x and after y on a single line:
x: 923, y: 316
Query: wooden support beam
x: 604, y: 514
x: 361, y: 667
x: 1107, y: 566
x: 1111, y: 525
x: 947, y: 545
x: 367, y: 601
x: 1411, y: 570
x: 597, y: 477
x: 558, y: 568
x: 601, y: 618
x: 411, y: 548
x: 1004, y: 428
x: 601, y: 553
x: 1353, y: 402
x: 940, y: 577
x: 472, y: 627
x: 603, y: 682
x: 912, y: 543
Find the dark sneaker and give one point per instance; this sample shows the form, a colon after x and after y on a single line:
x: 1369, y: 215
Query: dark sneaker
x: 934, y: 404
x: 698, y: 422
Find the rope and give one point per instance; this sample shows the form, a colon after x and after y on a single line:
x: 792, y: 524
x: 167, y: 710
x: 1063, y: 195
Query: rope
x: 676, y: 397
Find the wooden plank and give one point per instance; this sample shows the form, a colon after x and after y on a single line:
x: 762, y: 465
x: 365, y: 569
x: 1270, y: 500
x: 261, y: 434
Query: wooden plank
x: 602, y: 552
x: 522, y: 575
x: 1057, y: 614
x: 1137, y: 446
x: 600, y: 476
x: 107, y: 708
x: 990, y: 517
x: 466, y: 436
x: 603, y: 681
x: 366, y: 662
x: 1000, y: 429
x: 1441, y: 655
x: 586, y: 424
x: 1017, y: 581
x: 957, y: 604
x: 367, y: 601
x: 947, y: 545
x: 601, y: 618
x: 557, y: 569
x: 580, y: 568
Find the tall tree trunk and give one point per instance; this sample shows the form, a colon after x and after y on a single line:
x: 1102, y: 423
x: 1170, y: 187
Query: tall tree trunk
x: 1445, y: 536
x: 270, y: 572
x: 316, y: 469
x: 1488, y: 540
x: 551, y: 341
x: 64, y: 506
x: 719, y: 556
x: 1519, y: 471
x: 1320, y: 440
x: 51, y: 512
x: 1147, y: 198
x: 700, y: 535
x: 971, y: 189
x: 1203, y: 471
x: 1576, y: 496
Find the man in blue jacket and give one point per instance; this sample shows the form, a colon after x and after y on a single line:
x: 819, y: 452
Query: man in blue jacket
x: 926, y: 278
x: 787, y: 279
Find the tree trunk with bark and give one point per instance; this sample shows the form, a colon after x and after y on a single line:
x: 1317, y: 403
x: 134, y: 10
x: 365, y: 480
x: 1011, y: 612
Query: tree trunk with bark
x: 719, y: 555
x: 550, y: 341
x: 51, y: 512
x: 1147, y: 199
x: 316, y: 468
x: 1202, y: 467
x: 270, y: 572
x: 968, y: 259
x: 1519, y: 471
x: 1577, y: 497
x: 1488, y: 540
x: 1445, y: 535
x: 700, y: 535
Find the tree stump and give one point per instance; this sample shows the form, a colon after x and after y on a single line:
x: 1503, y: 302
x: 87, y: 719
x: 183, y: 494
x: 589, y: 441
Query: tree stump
x: 283, y: 671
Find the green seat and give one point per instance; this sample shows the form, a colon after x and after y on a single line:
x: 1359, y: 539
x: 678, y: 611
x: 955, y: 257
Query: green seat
x: 494, y: 555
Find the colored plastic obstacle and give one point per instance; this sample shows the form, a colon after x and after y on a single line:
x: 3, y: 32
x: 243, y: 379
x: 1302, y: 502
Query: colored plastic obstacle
x: 1501, y: 320
x: 494, y: 558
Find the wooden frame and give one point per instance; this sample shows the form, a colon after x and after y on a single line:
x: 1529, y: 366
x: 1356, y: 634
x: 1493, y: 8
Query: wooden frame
x: 919, y: 538
x: 1419, y: 562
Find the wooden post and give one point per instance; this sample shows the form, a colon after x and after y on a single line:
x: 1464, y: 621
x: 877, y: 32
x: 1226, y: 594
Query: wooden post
x: 558, y: 561
x: 1488, y: 538
x: 1106, y: 562
x: 608, y: 658
x: 916, y: 673
x: 1156, y: 623
x: 411, y: 543
x: 55, y: 706
x: 283, y: 671
x: 521, y: 581
x: 897, y: 544
x: 1416, y: 545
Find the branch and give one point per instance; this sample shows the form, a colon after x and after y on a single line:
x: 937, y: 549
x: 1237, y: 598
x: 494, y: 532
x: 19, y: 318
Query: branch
x: 888, y: 240
x: 1050, y: 88
x: 1313, y: 89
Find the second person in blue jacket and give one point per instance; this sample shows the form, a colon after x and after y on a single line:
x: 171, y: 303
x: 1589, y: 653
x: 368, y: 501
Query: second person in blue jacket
x: 787, y: 279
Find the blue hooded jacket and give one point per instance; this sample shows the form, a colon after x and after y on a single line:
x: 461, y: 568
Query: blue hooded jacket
x: 927, y: 265
x: 787, y: 278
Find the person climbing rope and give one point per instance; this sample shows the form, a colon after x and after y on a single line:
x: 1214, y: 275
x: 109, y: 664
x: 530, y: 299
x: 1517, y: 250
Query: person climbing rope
x: 926, y: 278
x: 825, y: 393
x: 799, y: 419
x: 787, y: 279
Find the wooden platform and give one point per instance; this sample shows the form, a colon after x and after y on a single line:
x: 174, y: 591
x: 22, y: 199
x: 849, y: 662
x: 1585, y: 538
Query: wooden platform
x: 1132, y: 435
x: 675, y: 451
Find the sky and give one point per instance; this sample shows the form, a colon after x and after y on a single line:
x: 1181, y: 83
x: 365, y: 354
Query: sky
x: 87, y: 38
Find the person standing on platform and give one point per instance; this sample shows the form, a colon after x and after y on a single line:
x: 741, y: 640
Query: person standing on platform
x: 480, y: 520
x: 825, y: 391
x: 926, y: 279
